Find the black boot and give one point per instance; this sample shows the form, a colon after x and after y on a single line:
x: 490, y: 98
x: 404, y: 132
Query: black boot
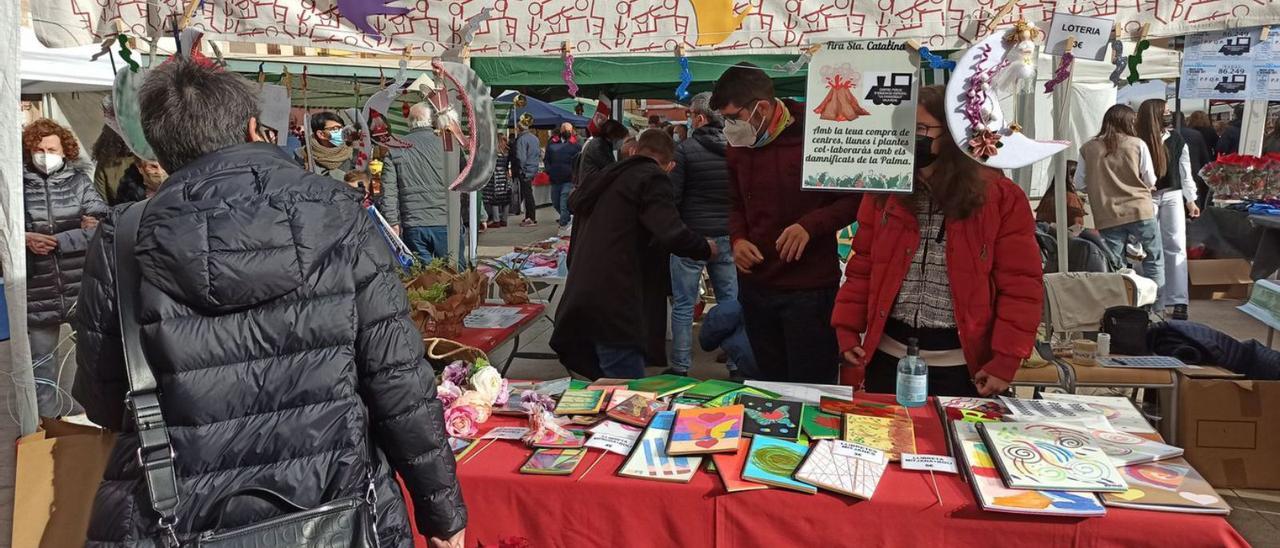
x: 1179, y: 312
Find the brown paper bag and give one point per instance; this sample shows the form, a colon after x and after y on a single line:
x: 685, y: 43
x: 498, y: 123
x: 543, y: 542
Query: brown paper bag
x: 58, y: 472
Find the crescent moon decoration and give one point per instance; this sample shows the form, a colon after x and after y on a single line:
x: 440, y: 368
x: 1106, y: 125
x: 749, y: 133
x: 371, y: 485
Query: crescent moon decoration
x: 975, y: 119
x: 480, y: 141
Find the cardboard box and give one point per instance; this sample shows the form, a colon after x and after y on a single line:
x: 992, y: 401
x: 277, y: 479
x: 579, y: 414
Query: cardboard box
x: 58, y: 471
x: 1219, y: 278
x: 1230, y: 427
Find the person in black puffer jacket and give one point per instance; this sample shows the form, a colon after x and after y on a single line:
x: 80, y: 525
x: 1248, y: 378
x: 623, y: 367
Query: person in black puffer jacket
x: 600, y: 152
x: 277, y: 329
x: 61, y: 209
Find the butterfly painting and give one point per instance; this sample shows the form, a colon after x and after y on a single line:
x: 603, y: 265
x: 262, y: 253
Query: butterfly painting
x: 706, y: 430
x: 777, y: 418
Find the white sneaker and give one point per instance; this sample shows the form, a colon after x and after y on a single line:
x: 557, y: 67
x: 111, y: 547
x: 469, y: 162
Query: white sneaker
x: 565, y: 231
x: 1134, y: 251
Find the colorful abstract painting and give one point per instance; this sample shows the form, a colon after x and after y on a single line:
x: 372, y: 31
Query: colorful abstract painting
x: 984, y: 408
x: 1120, y: 412
x: 1170, y: 486
x: 580, y: 402
x: 729, y: 467
x: 1031, y: 457
x: 773, y: 461
x: 636, y: 410
x: 649, y: 458
x: 992, y: 495
x: 731, y: 397
x: 864, y: 408
x: 706, y: 430
x: 826, y: 469
x: 710, y: 388
x: 1123, y: 448
x: 619, y: 395
x: 819, y: 425
x: 768, y: 417
x: 893, y: 436
x: 553, y: 462
x: 552, y: 440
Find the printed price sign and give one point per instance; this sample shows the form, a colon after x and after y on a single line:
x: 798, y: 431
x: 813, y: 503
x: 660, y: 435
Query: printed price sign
x: 505, y: 433
x: 858, y: 451
x: 612, y: 443
x: 936, y: 463
x: 1220, y: 80
x: 1092, y: 34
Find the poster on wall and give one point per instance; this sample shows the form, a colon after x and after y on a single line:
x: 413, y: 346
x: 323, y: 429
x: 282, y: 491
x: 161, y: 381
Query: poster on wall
x: 861, y: 116
x: 1266, y: 66
x: 1225, y: 65
x: 1220, y: 80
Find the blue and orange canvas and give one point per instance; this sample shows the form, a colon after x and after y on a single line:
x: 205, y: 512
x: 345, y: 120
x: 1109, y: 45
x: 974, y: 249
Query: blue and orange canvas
x: 706, y: 430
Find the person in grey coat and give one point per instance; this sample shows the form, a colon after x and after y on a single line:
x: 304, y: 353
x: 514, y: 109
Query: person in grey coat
x: 526, y: 159
x: 61, y: 208
x: 415, y: 203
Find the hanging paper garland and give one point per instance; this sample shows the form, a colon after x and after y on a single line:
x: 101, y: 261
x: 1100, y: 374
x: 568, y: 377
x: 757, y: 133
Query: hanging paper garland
x: 935, y: 61
x: 126, y: 53
x: 1121, y: 61
x: 794, y: 66
x: 686, y: 78
x: 1060, y: 75
x: 568, y: 71
x: 1136, y: 59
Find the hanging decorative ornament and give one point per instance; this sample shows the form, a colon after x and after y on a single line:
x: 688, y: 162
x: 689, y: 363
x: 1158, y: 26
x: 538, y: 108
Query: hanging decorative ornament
x: 1020, y: 73
x: 520, y: 101
x: 974, y: 118
x: 1136, y: 59
x: 793, y: 66
x: 480, y: 143
x: 935, y: 61
x: 1120, y: 61
x: 566, y: 52
x: 1064, y: 66
x: 686, y: 75
x: 358, y: 13
x: 468, y: 34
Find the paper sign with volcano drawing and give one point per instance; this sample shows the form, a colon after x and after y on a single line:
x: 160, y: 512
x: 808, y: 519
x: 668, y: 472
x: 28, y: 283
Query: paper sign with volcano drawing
x: 860, y: 123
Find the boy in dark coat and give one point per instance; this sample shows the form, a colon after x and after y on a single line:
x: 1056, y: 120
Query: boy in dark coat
x: 626, y: 225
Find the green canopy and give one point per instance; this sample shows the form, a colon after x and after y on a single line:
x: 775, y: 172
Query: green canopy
x: 625, y: 77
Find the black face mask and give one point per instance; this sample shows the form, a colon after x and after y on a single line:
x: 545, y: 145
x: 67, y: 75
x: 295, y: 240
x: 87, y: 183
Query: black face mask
x: 924, y: 151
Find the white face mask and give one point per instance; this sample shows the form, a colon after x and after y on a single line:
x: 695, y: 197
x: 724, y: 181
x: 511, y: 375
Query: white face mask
x: 47, y: 163
x: 740, y: 132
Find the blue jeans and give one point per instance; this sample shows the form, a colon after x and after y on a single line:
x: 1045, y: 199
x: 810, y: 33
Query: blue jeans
x: 560, y: 201
x: 427, y: 242
x: 686, y: 275
x: 620, y: 362
x: 1146, y: 233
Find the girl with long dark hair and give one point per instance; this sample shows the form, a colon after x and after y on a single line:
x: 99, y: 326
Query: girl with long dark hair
x: 1116, y: 172
x: 1175, y: 200
x: 952, y: 265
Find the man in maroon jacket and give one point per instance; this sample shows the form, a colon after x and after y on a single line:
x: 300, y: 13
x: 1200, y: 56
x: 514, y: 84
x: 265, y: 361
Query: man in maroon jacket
x: 784, y: 238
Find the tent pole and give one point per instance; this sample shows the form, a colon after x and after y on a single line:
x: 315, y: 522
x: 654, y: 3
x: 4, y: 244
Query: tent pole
x: 1061, y: 116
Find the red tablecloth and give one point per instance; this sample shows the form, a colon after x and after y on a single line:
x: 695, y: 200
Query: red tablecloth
x: 607, y: 510
x: 490, y: 339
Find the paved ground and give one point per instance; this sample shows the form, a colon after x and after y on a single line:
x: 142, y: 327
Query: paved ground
x: 1256, y: 514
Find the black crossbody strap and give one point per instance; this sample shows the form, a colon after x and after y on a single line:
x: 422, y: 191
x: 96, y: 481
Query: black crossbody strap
x: 155, y: 452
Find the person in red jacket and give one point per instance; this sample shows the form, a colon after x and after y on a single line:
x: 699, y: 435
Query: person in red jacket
x: 953, y: 265
x: 783, y: 237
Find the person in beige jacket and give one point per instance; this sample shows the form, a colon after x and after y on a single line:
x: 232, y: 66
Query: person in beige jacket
x: 1116, y: 172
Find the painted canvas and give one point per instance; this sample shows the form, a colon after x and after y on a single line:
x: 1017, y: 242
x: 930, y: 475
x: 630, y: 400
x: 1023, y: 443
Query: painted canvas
x: 552, y: 440
x: 773, y: 461
x: 1122, y: 448
x: 649, y: 458
x: 1120, y: 412
x: 580, y: 402
x: 893, y: 436
x: 1030, y: 457
x: 864, y: 408
x: 553, y: 462
x: 984, y: 407
x: 826, y: 469
x: 731, y: 397
x: 636, y: 410
x: 710, y: 388
x: 993, y: 496
x: 662, y: 385
x: 1168, y: 486
x: 1047, y: 409
x: 766, y: 417
x: 706, y: 430
x: 819, y: 425
x: 729, y: 467
x: 681, y: 402
x: 619, y: 395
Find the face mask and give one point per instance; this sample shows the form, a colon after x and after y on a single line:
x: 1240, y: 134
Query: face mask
x: 740, y: 133
x: 336, y: 138
x: 924, y: 151
x: 46, y: 162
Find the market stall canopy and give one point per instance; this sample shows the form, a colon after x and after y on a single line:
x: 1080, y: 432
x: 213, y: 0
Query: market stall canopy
x: 631, y: 77
x: 513, y: 29
x: 49, y: 70
x: 545, y: 115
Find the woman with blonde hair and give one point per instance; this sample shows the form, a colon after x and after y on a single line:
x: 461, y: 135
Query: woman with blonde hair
x: 61, y: 210
x: 1175, y: 199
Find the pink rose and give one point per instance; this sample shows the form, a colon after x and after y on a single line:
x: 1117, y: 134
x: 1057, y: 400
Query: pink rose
x: 448, y: 393
x: 460, y: 421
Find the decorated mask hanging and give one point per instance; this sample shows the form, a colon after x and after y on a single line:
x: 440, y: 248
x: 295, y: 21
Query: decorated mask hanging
x: 480, y: 145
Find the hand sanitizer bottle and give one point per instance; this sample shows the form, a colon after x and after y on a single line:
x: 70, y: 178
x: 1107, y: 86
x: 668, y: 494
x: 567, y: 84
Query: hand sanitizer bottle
x: 913, y: 377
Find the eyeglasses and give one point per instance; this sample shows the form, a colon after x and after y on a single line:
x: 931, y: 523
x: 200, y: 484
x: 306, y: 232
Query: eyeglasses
x: 746, y: 109
x: 925, y: 129
x: 331, y: 128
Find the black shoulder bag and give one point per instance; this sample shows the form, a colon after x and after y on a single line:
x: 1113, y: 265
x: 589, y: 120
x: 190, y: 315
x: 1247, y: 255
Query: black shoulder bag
x: 344, y: 523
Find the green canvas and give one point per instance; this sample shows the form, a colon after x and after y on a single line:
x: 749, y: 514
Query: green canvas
x: 576, y: 384
x: 662, y: 385
x: 710, y: 388
x: 819, y: 425
x: 731, y: 397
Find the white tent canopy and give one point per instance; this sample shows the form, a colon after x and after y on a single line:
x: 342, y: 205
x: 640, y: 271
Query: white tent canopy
x: 50, y: 70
